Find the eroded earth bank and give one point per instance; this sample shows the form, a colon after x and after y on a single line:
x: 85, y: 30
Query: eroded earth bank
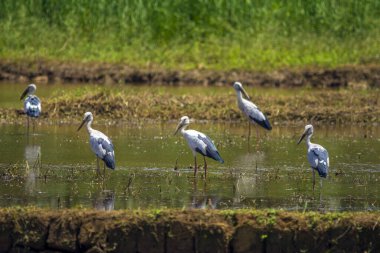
x: 41, y: 230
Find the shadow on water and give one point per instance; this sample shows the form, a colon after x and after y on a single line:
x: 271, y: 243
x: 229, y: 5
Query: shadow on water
x: 154, y: 169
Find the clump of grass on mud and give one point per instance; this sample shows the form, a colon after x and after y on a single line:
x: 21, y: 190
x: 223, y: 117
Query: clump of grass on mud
x: 329, y: 106
x: 190, y: 34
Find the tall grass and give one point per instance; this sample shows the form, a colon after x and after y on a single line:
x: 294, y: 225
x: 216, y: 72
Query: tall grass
x: 219, y: 34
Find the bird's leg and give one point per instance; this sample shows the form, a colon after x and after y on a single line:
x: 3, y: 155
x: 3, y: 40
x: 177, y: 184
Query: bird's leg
x: 313, y: 178
x: 320, y: 182
x: 204, y: 158
x: 257, y: 136
x: 257, y: 132
x: 97, y: 166
x: 249, y: 130
x: 27, y: 123
x: 195, y: 166
x: 195, y: 185
x: 33, y: 124
x: 104, y: 169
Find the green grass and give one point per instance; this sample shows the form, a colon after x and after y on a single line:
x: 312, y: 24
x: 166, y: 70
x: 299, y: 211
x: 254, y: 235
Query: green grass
x: 187, y: 34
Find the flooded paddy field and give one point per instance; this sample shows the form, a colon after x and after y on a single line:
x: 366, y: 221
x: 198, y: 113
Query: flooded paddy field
x: 54, y: 166
x: 153, y: 169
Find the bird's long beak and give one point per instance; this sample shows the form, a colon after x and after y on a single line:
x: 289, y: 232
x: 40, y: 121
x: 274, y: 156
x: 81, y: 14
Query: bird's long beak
x: 178, y: 128
x: 84, y: 120
x: 303, y: 136
x: 24, y: 93
x: 245, y: 93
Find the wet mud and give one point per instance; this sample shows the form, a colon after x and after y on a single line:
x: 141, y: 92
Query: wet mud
x: 66, y: 72
x: 40, y: 230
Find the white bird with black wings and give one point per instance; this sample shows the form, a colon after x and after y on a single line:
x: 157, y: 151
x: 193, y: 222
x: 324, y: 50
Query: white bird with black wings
x: 198, y: 143
x: 317, y: 155
x: 249, y: 108
x: 100, y: 144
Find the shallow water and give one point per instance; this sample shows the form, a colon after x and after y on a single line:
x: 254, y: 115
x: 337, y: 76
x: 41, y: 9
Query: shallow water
x: 272, y: 174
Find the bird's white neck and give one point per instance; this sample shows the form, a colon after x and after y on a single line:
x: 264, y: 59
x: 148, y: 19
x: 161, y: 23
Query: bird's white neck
x: 88, y: 126
x: 308, y: 142
x: 239, y: 99
x: 239, y: 95
x: 183, y: 129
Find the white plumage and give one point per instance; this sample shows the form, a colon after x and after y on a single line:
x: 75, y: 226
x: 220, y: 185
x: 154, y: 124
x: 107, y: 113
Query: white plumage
x: 194, y: 142
x: 100, y: 144
x: 317, y: 155
x: 249, y: 108
x: 198, y: 143
x: 32, y: 104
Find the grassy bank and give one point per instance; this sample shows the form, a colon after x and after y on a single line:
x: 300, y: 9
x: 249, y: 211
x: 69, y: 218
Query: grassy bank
x: 160, y: 103
x: 187, y: 231
x: 173, y: 34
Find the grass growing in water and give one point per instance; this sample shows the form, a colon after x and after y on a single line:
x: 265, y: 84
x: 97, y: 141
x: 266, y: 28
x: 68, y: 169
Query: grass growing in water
x: 218, y: 34
x: 281, y: 106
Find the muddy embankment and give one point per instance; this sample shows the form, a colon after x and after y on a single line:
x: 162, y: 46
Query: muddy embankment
x: 39, y: 230
x: 41, y: 71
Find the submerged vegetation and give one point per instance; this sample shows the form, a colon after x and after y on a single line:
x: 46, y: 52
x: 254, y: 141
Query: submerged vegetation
x: 175, y: 34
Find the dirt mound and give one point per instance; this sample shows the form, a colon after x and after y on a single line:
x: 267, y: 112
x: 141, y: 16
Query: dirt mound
x: 39, y: 230
x: 42, y: 71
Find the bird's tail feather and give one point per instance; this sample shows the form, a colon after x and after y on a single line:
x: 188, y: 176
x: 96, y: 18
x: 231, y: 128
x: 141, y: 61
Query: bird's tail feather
x: 215, y: 155
x: 264, y: 123
x: 322, y: 172
x: 109, y: 160
x: 33, y: 111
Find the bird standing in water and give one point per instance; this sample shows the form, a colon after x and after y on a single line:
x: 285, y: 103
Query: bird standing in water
x: 317, y: 155
x: 100, y: 144
x: 250, y: 109
x: 198, y: 142
x: 32, y: 104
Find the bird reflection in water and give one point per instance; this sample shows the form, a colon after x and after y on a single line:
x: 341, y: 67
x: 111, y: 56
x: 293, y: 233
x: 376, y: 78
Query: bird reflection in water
x: 32, y: 157
x: 105, y: 201
x: 201, y: 200
x: 246, y: 180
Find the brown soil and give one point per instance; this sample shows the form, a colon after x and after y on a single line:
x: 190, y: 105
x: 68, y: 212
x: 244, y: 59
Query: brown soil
x: 42, y: 71
x: 39, y: 230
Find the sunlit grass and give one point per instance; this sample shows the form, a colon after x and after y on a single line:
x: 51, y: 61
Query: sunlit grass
x: 175, y: 34
x: 159, y: 103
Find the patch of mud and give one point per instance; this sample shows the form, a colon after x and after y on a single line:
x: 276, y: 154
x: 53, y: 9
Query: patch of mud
x: 63, y: 72
x: 39, y: 230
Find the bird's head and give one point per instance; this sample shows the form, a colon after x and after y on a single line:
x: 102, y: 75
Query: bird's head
x: 29, y: 90
x: 184, y: 121
x: 307, y: 132
x: 86, y: 118
x: 239, y: 88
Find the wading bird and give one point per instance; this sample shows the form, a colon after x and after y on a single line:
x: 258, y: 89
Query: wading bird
x: 198, y: 142
x: 100, y: 144
x: 250, y: 109
x: 32, y: 104
x: 316, y: 155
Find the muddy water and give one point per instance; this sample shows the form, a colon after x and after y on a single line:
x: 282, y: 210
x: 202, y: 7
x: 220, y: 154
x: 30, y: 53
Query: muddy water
x: 54, y: 167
